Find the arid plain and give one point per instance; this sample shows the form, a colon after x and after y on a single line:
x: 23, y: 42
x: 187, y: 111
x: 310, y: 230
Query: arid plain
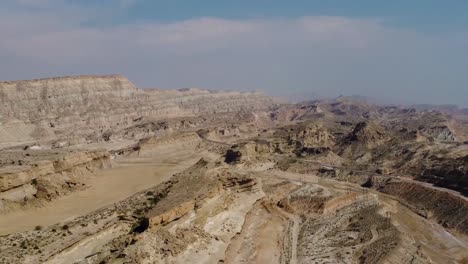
x: 96, y: 170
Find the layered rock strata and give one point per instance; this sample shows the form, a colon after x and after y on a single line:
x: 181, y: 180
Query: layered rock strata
x: 75, y: 106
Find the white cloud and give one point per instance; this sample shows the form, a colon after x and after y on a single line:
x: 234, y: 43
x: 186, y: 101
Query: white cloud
x: 328, y: 55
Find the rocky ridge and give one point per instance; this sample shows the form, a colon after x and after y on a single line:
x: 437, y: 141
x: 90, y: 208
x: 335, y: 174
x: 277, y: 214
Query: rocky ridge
x: 327, y: 181
x: 74, y: 107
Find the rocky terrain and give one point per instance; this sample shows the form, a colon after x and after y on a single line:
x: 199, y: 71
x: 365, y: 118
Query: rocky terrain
x: 86, y: 109
x: 96, y: 170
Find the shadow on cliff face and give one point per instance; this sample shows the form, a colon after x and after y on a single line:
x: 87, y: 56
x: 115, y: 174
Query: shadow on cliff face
x: 232, y: 156
x: 142, y: 226
x: 447, y: 173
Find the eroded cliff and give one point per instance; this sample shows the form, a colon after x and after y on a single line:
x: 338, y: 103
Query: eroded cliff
x: 74, y: 107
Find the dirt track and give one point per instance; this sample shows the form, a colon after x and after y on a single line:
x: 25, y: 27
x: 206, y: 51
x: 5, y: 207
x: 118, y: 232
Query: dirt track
x: 294, y: 233
x: 436, y: 242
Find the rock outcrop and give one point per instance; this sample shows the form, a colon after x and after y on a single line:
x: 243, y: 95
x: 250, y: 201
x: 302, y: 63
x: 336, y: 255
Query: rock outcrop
x: 79, y: 106
x: 312, y: 137
x: 447, y: 209
x: 441, y: 133
x: 58, y: 173
x: 367, y: 134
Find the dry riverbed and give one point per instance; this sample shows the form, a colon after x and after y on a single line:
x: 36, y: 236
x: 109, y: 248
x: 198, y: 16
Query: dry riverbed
x: 110, y: 186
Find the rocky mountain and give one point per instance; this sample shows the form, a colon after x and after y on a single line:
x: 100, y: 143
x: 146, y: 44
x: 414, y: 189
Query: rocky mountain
x: 95, y: 170
x: 78, y: 106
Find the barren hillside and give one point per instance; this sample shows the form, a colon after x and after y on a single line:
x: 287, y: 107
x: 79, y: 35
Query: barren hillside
x: 96, y: 170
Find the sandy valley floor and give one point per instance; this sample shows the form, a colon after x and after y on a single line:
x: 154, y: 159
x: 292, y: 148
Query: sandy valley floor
x: 110, y: 186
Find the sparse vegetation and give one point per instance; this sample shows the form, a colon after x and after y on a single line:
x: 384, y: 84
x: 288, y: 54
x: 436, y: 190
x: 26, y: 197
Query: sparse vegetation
x: 292, y: 190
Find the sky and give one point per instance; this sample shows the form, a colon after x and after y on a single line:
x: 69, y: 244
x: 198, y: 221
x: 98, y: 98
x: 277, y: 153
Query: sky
x: 395, y: 51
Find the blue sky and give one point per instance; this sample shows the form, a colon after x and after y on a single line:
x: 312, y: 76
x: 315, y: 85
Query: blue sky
x: 396, y: 51
x: 426, y: 15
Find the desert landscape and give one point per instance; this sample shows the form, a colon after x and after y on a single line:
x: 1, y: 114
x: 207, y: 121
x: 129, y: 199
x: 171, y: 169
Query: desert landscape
x: 96, y: 170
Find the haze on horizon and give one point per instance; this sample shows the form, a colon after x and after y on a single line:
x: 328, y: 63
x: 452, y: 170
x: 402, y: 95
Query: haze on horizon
x: 395, y: 51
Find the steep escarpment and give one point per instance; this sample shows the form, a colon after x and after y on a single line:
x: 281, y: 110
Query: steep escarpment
x: 447, y: 209
x: 451, y: 173
x: 224, y: 177
x: 191, y: 217
x: 44, y: 175
x: 48, y: 108
x: 70, y: 107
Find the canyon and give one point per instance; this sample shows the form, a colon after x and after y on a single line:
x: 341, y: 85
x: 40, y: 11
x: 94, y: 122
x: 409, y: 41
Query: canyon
x: 96, y: 170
